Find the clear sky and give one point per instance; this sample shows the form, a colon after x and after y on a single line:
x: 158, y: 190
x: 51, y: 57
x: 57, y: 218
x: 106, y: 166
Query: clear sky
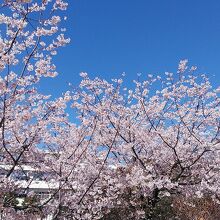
x: 148, y: 36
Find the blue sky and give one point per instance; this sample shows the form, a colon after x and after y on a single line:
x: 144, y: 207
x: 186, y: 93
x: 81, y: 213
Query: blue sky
x: 109, y: 37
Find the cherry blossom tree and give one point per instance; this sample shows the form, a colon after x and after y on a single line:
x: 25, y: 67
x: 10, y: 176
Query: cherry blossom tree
x: 31, y: 33
x: 157, y: 140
